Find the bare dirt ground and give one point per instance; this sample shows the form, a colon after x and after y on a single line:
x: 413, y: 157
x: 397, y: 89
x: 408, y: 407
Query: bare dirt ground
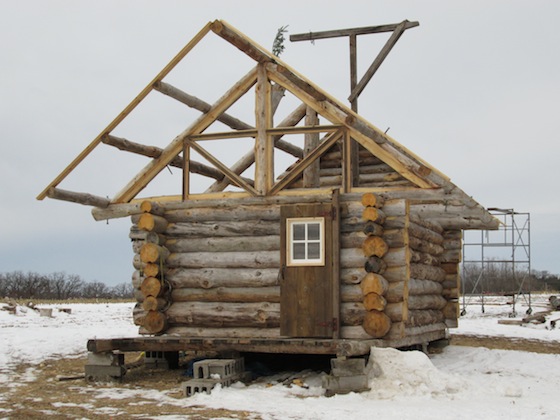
x: 506, y: 343
x: 158, y: 391
x: 45, y: 395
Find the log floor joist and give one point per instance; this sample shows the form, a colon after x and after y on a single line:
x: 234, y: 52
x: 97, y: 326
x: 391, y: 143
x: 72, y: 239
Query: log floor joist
x: 291, y: 346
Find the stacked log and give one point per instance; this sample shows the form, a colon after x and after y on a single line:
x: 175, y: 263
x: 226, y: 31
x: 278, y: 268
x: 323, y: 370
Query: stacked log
x: 152, y: 291
x: 398, y: 259
x: 376, y: 322
x: 451, y: 258
x: 373, y: 172
x: 411, y: 267
x: 211, y: 268
x: 223, y: 269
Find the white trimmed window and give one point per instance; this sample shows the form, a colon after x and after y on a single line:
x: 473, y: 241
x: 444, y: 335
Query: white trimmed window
x: 306, y: 241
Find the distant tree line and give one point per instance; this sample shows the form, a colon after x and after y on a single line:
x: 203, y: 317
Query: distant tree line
x: 501, y: 278
x: 59, y: 286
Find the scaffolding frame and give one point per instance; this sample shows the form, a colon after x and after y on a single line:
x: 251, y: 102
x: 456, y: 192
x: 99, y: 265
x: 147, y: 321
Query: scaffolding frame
x: 513, y: 237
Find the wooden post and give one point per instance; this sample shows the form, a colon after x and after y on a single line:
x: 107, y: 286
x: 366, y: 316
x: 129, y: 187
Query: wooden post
x: 264, y: 149
x: 186, y: 170
x: 311, y: 173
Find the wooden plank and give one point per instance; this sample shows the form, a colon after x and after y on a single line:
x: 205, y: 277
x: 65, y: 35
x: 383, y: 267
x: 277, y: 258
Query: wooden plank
x: 336, y: 33
x: 153, y: 168
x: 399, y: 30
x: 276, y: 131
x: 129, y: 108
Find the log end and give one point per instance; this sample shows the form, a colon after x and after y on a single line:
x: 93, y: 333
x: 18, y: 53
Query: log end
x: 155, y: 322
x: 376, y: 324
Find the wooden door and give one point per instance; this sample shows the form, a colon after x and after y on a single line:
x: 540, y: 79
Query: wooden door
x: 309, y: 288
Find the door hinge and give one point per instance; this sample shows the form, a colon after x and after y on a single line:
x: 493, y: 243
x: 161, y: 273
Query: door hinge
x: 331, y: 213
x: 333, y: 324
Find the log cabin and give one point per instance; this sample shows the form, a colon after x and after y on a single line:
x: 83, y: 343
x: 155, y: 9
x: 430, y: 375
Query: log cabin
x: 356, y: 244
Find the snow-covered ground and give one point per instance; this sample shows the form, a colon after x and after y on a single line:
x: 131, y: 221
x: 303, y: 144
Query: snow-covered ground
x: 460, y: 382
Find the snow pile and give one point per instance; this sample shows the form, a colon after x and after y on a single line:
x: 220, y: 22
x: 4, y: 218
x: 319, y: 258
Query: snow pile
x: 461, y: 382
x: 395, y: 373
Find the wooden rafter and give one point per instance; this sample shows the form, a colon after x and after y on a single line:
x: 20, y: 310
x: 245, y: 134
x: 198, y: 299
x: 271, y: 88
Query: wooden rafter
x: 139, y: 98
x: 272, y: 69
x: 402, y: 164
x: 225, y: 118
x: 139, y: 182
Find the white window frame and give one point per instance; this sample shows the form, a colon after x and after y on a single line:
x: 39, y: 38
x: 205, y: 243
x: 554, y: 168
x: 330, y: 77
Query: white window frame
x: 290, y: 223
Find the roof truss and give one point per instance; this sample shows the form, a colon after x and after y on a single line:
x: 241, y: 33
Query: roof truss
x: 270, y: 77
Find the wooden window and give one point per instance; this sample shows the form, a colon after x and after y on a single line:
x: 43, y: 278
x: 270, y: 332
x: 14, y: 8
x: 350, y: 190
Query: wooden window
x: 306, y: 243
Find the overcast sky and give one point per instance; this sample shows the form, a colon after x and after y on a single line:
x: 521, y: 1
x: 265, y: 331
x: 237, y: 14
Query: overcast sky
x: 474, y: 90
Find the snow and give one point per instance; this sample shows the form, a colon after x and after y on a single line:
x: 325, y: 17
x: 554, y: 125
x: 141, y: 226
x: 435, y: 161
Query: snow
x: 461, y: 382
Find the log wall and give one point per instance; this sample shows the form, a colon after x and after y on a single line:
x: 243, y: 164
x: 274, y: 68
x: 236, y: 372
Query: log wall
x: 214, y: 270
x: 372, y: 172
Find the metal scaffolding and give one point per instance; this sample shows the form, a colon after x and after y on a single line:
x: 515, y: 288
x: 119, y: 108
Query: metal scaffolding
x: 505, y: 251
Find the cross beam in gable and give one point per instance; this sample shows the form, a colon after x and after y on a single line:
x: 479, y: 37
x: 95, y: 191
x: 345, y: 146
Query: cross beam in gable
x: 311, y: 157
x: 139, y: 182
x: 366, y: 135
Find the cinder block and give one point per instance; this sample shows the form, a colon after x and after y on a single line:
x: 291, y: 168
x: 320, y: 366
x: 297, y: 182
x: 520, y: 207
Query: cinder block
x: 345, y: 384
x: 222, y: 368
x: 105, y: 359
x: 348, y: 367
x: 193, y: 386
x: 155, y: 360
x: 99, y: 373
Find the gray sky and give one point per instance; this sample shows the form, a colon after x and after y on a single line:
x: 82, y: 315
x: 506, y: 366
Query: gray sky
x: 473, y: 90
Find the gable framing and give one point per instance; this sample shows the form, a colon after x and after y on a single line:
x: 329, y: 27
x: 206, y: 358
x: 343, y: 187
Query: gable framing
x: 269, y: 77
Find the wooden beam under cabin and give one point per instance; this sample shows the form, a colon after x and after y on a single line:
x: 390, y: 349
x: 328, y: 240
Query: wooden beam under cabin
x: 129, y: 108
x: 139, y: 182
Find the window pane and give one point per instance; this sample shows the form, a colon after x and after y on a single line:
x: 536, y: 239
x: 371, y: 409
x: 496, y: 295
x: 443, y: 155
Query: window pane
x: 313, y: 231
x: 298, y: 231
x: 313, y: 251
x: 299, y: 251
